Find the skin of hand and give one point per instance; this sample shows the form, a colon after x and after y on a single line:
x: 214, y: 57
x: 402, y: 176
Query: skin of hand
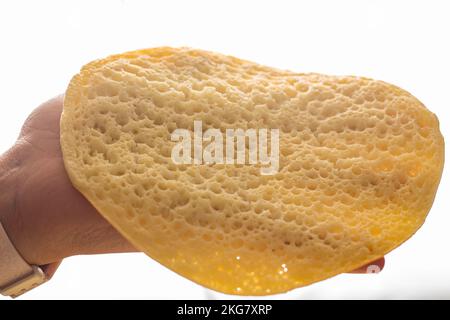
x: 45, y: 217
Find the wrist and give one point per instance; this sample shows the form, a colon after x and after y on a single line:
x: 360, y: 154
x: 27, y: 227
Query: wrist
x: 37, y: 237
x: 9, y: 172
x: 18, y: 273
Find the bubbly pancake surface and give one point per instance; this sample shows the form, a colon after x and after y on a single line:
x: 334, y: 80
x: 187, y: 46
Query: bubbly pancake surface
x: 359, y: 165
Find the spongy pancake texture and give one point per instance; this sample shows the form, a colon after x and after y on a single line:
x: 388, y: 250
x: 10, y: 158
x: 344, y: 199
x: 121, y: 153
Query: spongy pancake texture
x: 360, y: 162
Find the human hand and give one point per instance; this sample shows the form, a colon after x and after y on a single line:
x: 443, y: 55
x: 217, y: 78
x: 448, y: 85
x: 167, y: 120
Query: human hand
x: 46, y: 218
x: 372, y: 267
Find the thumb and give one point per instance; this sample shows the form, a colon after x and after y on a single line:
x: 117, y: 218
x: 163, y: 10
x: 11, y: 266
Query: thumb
x: 372, y: 267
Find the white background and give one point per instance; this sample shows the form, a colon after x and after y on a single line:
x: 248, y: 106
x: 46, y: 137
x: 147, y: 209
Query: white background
x: 43, y: 43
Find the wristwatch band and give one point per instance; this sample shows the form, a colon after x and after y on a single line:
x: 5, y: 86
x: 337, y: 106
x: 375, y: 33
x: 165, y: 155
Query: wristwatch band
x: 16, y: 275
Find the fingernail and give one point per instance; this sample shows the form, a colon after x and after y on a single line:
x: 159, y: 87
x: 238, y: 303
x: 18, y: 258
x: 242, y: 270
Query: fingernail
x: 373, y: 268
